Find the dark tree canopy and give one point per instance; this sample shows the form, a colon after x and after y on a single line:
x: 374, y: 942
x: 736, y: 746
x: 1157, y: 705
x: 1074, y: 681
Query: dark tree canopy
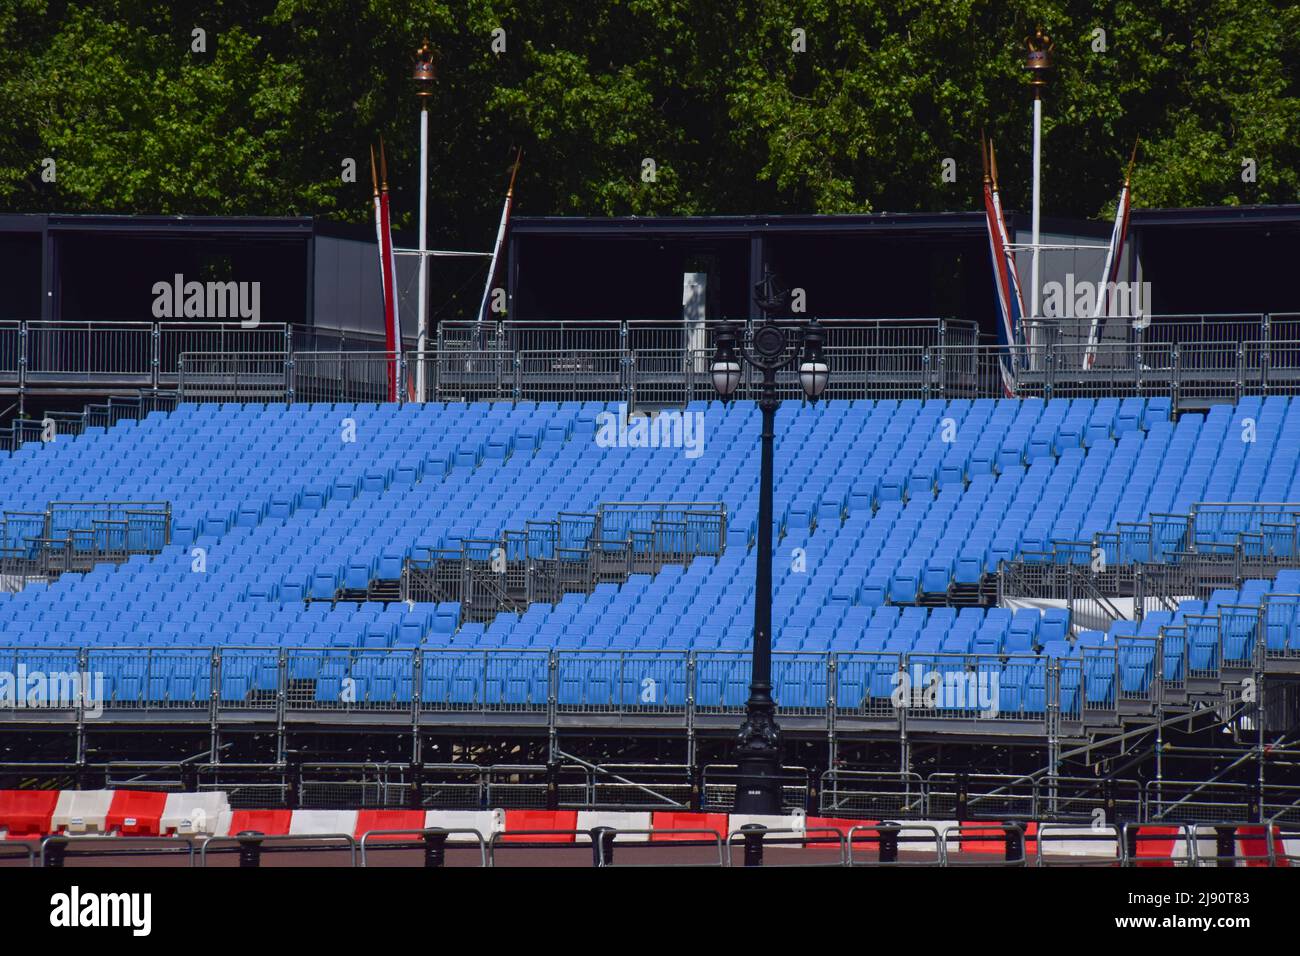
x: 735, y: 119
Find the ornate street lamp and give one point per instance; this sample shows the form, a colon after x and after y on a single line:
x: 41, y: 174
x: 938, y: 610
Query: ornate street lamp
x: 773, y: 347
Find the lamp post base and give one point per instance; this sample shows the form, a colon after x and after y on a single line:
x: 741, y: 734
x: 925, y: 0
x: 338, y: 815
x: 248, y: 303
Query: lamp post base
x: 758, y: 762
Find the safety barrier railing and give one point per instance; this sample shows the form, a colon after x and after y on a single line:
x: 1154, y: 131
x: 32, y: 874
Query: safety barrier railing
x: 349, y: 785
x: 368, y: 376
x: 624, y: 682
x: 144, y: 354
x: 1190, y: 802
x: 893, y: 843
x: 1158, y: 564
x: 1093, y: 686
x: 605, y: 838
x: 1158, y: 845
x: 1284, y: 843
x: 889, y: 844
x: 252, y: 845
x: 757, y: 837
x: 1186, y: 374
x: 571, y: 554
x: 1234, y: 844
x: 1171, y: 329
x: 892, y: 795
x: 641, y: 786
x: 12, y: 345
x: 433, y: 841
x: 1049, y: 834
x: 74, y: 536
x: 1279, y: 626
x: 1096, y: 800
x: 561, y: 335
x: 958, y: 840
x: 535, y: 787
x: 17, y: 848
x: 967, y: 796
x: 235, y: 377
x: 56, y: 425
x: 54, y: 848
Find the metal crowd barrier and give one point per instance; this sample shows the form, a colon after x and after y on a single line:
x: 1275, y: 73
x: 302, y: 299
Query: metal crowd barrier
x: 54, y: 847
x: 250, y: 845
x: 757, y: 836
x: 18, y: 847
x: 604, y: 839
x: 1013, y: 838
x: 434, y: 839
x: 888, y: 838
x: 1136, y: 834
x: 1105, y: 833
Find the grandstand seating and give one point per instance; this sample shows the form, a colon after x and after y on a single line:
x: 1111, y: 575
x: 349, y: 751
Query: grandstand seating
x: 877, y: 503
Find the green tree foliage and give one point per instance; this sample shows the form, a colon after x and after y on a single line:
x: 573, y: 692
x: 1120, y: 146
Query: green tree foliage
x: 735, y: 118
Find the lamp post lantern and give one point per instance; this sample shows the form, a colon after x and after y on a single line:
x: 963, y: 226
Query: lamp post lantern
x: 422, y: 77
x: 772, y: 347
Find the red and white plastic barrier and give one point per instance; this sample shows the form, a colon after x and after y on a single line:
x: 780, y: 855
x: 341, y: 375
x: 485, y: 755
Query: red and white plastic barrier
x: 32, y: 814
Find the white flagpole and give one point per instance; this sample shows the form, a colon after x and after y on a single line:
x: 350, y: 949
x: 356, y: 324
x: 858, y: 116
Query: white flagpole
x: 423, y: 327
x: 1099, y: 306
x: 501, y: 235
x: 1038, y: 61
x: 1116, y: 234
x: 1038, y: 154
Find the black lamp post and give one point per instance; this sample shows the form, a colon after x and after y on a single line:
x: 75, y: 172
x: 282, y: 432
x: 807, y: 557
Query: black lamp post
x: 773, y: 347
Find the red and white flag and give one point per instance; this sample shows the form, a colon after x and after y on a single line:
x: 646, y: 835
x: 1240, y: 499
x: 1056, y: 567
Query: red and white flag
x: 1005, y: 279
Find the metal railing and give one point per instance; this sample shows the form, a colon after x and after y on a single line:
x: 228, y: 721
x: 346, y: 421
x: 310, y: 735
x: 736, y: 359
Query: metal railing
x: 1155, y: 564
x: 665, y: 687
x: 1187, y: 374
x: 1191, y: 358
x: 76, y: 535
x: 570, y: 554
x: 1170, y: 329
x: 1093, y: 686
x: 584, y: 335
x: 142, y: 354
x: 60, y: 424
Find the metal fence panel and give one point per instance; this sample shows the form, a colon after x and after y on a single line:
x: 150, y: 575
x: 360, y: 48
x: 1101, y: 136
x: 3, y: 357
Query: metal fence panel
x: 348, y: 377
x: 246, y: 377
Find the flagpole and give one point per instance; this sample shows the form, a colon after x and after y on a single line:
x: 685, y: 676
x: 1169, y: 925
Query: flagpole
x: 379, y: 236
x: 1038, y: 62
x: 1015, y: 297
x: 424, y: 262
x: 1111, y: 266
x: 1038, y: 178
x: 392, y: 322
x: 423, y: 76
x: 501, y: 235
